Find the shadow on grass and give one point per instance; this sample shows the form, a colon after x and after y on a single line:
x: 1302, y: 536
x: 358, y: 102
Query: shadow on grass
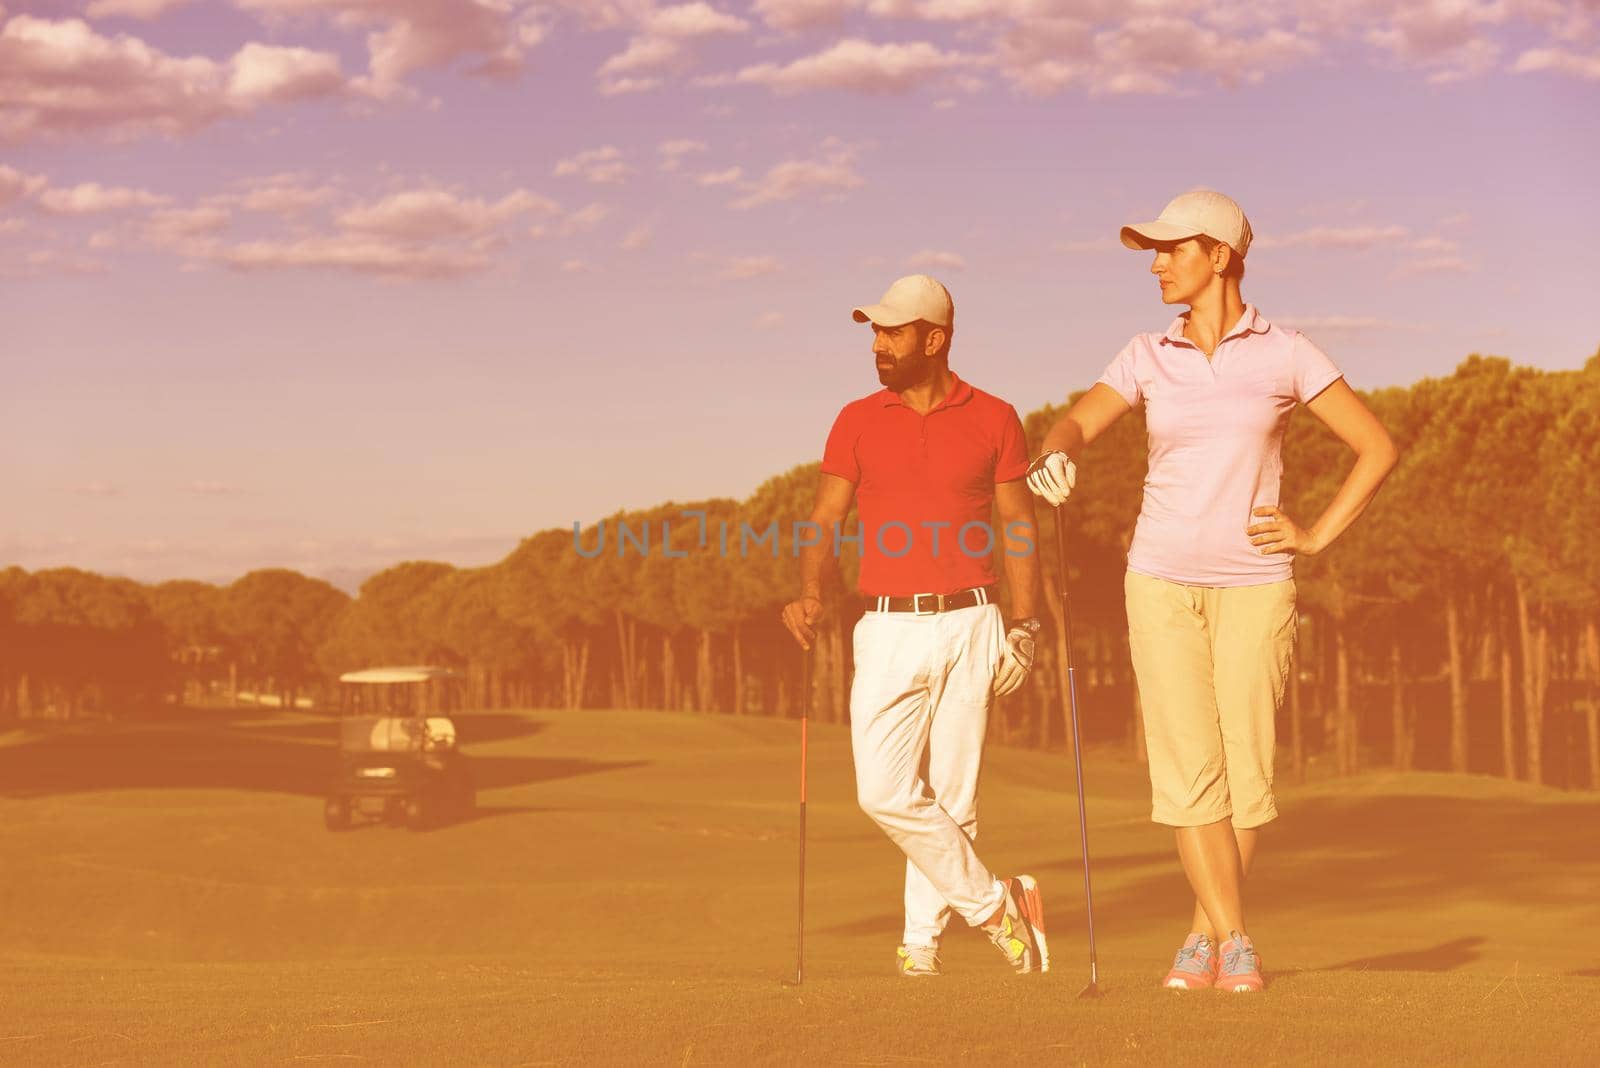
x: 1371, y: 854
x: 175, y: 757
x: 1444, y: 957
x: 375, y: 820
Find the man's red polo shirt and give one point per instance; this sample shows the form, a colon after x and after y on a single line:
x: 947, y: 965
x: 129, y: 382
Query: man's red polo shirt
x: 919, y: 480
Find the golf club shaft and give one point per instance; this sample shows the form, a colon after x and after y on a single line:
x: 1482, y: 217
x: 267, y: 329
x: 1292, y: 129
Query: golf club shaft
x: 1077, y: 746
x: 805, y: 707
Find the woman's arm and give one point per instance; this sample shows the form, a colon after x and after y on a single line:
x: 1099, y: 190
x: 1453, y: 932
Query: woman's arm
x: 1342, y: 412
x: 1086, y: 420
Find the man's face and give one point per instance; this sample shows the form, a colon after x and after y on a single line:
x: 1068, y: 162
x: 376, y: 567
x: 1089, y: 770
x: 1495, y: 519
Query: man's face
x: 904, y: 354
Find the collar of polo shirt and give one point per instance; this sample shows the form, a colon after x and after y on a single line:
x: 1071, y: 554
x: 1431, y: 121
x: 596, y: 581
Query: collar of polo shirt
x: 960, y: 393
x: 1251, y: 322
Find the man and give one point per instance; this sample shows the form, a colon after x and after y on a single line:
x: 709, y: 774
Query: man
x: 926, y: 459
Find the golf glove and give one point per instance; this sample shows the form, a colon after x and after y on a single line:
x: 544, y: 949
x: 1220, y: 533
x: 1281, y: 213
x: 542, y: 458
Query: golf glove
x: 1016, y: 660
x: 1052, y: 476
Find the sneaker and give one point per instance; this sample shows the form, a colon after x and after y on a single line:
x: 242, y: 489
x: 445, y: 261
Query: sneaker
x: 918, y: 962
x: 1241, y: 966
x: 1196, y: 965
x: 1020, y: 932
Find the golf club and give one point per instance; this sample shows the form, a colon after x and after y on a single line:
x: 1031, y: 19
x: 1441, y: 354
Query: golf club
x: 800, y: 932
x: 1093, y: 989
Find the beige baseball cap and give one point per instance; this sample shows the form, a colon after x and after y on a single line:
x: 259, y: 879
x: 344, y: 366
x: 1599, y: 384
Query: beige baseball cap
x: 916, y: 296
x: 1199, y: 211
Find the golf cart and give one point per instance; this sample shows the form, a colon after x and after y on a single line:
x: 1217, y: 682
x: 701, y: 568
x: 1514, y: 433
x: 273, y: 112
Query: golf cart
x: 397, y: 748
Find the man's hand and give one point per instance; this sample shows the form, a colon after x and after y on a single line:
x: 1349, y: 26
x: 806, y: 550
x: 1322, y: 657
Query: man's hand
x: 800, y: 616
x: 1052, y: 476
x: 1016, y: 660
x: 1275, y: 532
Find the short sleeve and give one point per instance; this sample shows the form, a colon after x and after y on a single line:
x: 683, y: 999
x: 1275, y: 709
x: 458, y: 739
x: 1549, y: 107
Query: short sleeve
x: 839, y: 455
x: 1012, y: 461
x: 1313, y: 371
x: 1119, y: 376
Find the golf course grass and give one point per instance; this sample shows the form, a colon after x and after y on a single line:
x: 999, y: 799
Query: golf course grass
x: 626, y: 895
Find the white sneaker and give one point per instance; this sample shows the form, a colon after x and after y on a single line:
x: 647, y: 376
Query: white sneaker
x: 1019, y: 934
x: 918, y: 962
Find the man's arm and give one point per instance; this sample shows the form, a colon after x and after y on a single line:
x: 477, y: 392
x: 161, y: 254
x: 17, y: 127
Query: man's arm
x: 1020, y: 536
x: 834, y: 495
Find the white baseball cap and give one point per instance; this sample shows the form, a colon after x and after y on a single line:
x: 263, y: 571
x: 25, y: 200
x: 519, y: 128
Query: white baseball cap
x: 1199, y: 211
x: 916, y: 296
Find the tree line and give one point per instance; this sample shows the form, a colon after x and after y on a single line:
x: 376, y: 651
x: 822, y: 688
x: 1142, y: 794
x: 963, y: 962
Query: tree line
x: 1455, y: 627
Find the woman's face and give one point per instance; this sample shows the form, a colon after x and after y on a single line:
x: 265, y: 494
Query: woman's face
x: 1184, y: 270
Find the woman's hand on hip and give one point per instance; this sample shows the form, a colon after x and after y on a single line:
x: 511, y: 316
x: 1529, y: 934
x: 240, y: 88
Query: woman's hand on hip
x: 1275, y: 532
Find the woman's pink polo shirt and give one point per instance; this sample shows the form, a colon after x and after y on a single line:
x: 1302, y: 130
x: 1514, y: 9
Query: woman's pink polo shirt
x: 1216, y: 435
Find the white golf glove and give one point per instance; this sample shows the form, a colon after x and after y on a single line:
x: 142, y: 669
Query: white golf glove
x: 1016, y: 659
x: 1052, y: 476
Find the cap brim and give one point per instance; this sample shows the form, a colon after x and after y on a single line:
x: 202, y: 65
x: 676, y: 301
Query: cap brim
x: 1149, y: 234
x: 883, y: 315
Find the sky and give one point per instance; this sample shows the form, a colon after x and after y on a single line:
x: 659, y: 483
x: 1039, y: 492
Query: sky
x: 331, y: 284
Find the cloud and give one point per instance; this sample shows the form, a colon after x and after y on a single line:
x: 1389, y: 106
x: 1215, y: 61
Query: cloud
x: 1088, y: 244
x: 586, y: 218
x: 1435, y: 265
x: 741, y: 268
x: 638, y: 238
x: 933, y: 259
x: 133, y: 9
x: 857, y: 66
x: 727, y: 177
x: 416, y: 233
x: 405, y: 36
x: 61, y: 77
x: 601, y: 166
x: 266, y: 72
x: 673, y: 152
x: 664, y: 41
x: 354, y: 253
x: 1434, y: 244
x: 578, y: 267
x: 770, y: 319
x: 436, y: 215
x: 1336, y: 237
x: 203, y: 488
x: 803, y: 14
x: 622, y: 86
x: 831, y: 176
x: 97, y: 488
x: 46, y: 261
x: 1349, y: 324
x: 278, y: 194
x: 92, y: 198
x: 1442, y: 35
x: 1559, y: 60
x: 15, y: 185
x: 687, y: 21
x: 186, y: 224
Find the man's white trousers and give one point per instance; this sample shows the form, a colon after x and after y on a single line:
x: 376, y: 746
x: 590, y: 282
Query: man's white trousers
x: 919, y: 709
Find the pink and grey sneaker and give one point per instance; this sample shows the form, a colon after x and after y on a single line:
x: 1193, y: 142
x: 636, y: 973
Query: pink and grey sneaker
x: 1241, y: 966
x: 1195, y: 967
x: 1019, y: 933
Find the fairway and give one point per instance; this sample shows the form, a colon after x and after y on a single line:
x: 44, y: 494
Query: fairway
x: 626, y: 895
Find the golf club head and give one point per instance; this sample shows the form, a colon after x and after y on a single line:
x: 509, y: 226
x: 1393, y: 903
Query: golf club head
x: 1091, y: 991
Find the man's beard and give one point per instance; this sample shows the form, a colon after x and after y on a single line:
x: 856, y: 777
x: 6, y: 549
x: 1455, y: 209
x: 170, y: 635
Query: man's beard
x: 906, y: 373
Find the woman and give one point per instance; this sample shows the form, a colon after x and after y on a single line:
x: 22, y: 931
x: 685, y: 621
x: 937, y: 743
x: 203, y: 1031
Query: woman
x: 1210, y: 588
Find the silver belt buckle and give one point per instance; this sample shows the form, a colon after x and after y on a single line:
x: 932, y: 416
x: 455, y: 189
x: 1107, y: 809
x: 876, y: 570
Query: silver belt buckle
x: 916, y: 604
